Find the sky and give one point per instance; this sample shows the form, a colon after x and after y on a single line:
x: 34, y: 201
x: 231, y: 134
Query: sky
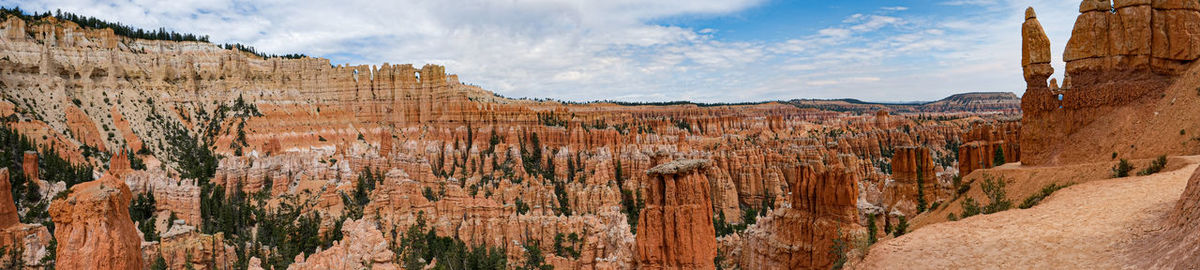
x: 665, y: 50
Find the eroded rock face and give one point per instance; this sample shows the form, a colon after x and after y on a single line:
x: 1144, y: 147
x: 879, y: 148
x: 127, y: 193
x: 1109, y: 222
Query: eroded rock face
x: 363, y: 247
x: 1113, y: 59
x: 30, y: 239
x: 93, y: 228
x: 8, y: 207
x: 1035, y: 51
x: 317, y: 128
x: 675, y: 229
x: 799, y: 237
x: 978, y: 150
x: 910, y: 164
x: 29, y: 164
x: 182, y: 248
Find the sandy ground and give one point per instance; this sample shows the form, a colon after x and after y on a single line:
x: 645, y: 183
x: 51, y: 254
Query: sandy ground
x: 1084, y: 226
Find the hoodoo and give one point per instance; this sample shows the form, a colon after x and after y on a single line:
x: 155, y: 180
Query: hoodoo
x: 1121, y: 54
x: 93, y: 227
x: 800, y: 237
x: 675, y: 230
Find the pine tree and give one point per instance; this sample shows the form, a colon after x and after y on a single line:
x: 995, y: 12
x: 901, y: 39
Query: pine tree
x: 998, y: 157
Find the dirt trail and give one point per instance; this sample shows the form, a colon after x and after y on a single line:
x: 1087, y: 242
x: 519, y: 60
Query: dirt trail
x: 1084, y: 226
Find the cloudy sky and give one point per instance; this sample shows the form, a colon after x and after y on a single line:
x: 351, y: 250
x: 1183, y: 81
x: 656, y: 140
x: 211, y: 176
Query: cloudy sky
x: 697, y: 50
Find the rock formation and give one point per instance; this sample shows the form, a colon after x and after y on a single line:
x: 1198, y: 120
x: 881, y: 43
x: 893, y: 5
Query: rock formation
x: 486, y: 170
x: 31, y: 239
x: 1120, y: 53
x: 118, y: 165
x: 29, y: 164
x: 363, y: 247
x: 93, y: 227
x: 911, y: 164
x: 823, y: 205
x: 183, y: 246
x: 1035, y: 51
x: 8, y: 209
x: 979, y: 145
x: 675, y: 229
x: 1174, y: 246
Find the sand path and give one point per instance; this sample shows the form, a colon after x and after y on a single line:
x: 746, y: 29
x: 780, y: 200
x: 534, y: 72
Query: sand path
x: 1084, y: 226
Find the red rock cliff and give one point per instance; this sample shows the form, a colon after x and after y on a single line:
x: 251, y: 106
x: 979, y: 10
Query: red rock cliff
x: 93, y: 227
x: 978, y: 150
x: 799, y: 237
x: 675, y: 230
x: 8, y: 207
x: 1113, y: 60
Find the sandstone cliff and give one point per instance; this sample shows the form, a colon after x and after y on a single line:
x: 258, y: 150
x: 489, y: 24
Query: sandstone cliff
x: 979, y: 147
x: 675, y: 229
x: 1124, y: 58
x: 93, y: 227
x: 482, y: 169
x: 823, y: 207
x: 31, y: 240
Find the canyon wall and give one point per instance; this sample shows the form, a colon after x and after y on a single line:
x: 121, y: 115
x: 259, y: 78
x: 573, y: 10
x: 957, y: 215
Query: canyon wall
x: 823, y: 207
x: 676, y: 229
x: 30, y: 240
x: 1122, y: 54
x: 979, y: 147
x: 485, y: 170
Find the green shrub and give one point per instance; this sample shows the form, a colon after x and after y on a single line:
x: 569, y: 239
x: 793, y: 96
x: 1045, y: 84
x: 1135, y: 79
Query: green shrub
x: 951, y: 217
x: 871, y: 230
x: 522, y: 208
x: 901, y: 227
x: 1155, y: 166
x: 994, y: 189
x: 970, y: 207
x: 1122, y: 169
x: 838, y: 251
x: 1037, y: 197
x: 958, y: 184
x: 998, y: 157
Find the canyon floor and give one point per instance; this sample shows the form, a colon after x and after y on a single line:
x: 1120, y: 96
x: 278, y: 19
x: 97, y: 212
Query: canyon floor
x: 1085, y: 226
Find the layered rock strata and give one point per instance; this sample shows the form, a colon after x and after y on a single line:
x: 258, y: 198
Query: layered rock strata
x: 486, y: 170
x: 1120, y: 53
x: 978, y: 150
x: 363, y: 247
x: 823, y: 208
x: 675, y: 229
x: 93, y: 228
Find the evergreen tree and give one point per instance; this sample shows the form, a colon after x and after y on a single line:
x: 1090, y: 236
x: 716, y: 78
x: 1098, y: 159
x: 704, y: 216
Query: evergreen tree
x: 998, y: 156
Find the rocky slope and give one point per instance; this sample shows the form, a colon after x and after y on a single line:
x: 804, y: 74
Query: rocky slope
x: 1088, y: 225
x: 411, y: 154
x: 1129, y: 93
